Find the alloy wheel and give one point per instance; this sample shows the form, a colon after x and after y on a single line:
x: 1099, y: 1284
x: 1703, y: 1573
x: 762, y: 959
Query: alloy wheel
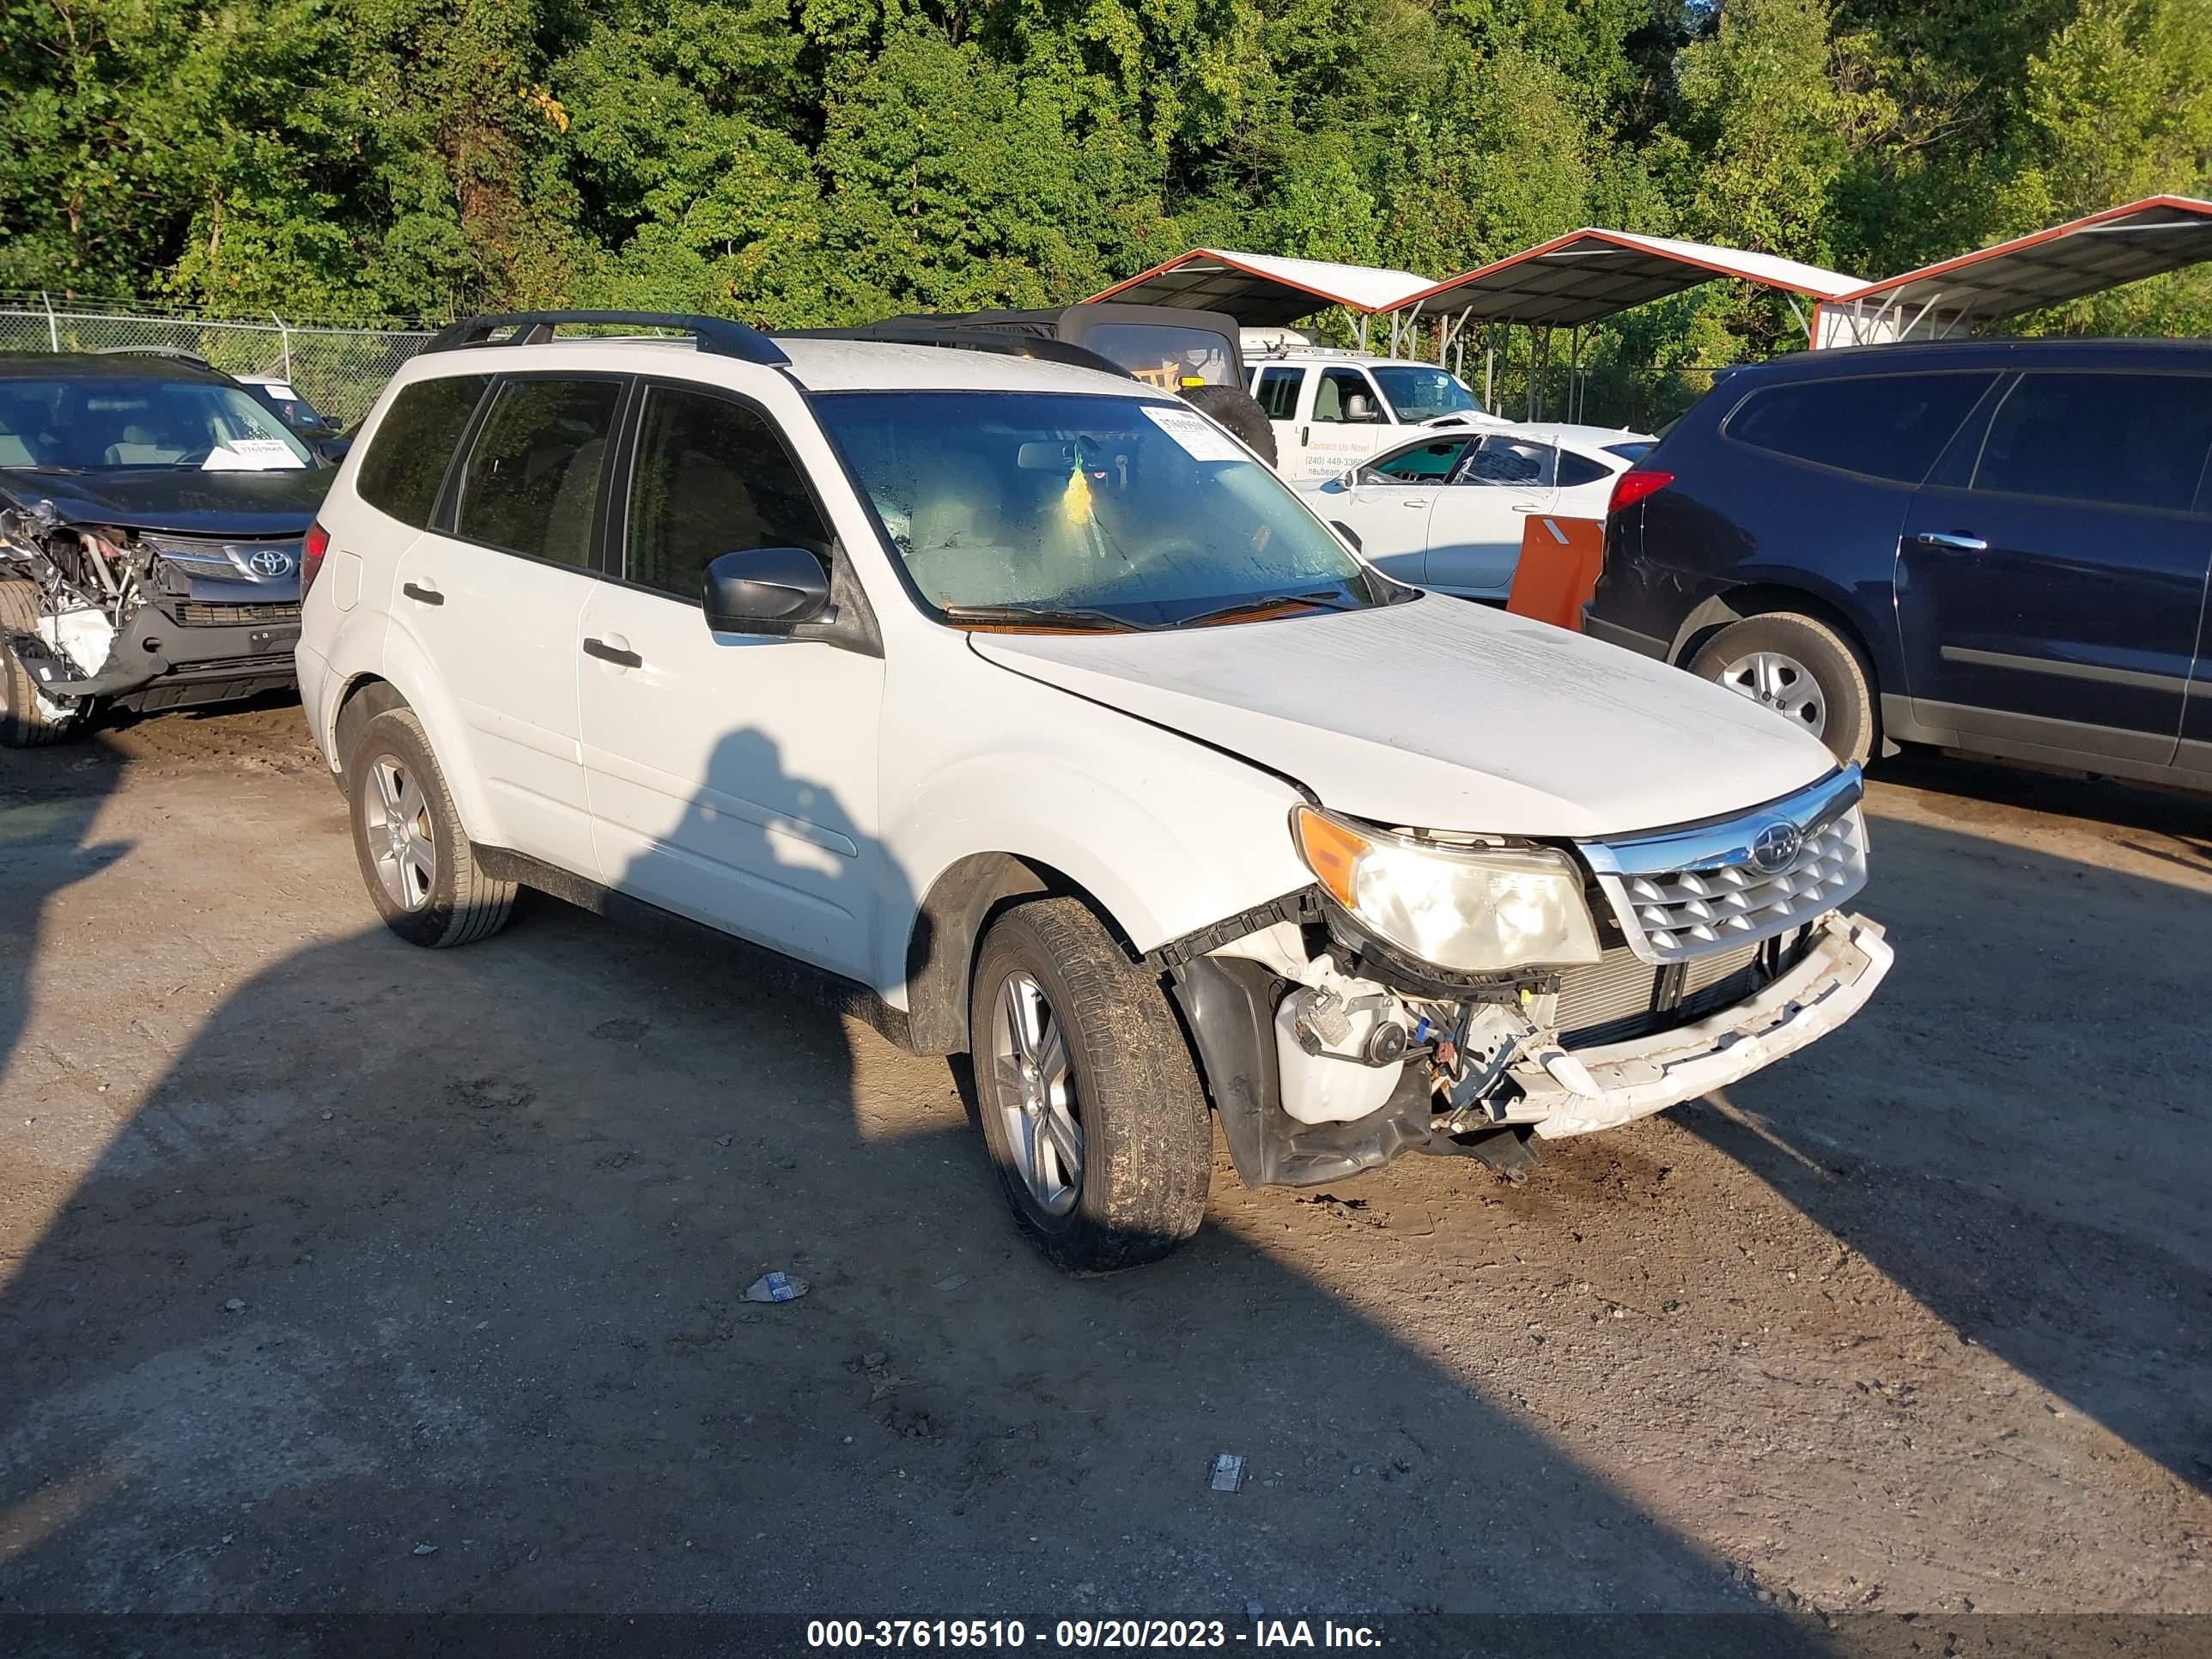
x: 402, y: 841
x: 1033, y: 1080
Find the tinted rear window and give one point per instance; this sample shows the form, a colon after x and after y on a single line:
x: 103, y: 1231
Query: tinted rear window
x: 532, y: 485
x: 2127, y: 440
x: 1885, y: 426
x: 407, y: 457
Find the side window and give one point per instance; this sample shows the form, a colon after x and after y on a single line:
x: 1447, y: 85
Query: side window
x: 532, y: 485
x: 2128, y: 440
x: 1277, y: 392
x: 1885, y: 426
x: 1575, y: 470
x: 1502, y: 460
x: 1344, y: 395
x: 1424, y: 463
x: 407, y: 459
x: 711, y: 477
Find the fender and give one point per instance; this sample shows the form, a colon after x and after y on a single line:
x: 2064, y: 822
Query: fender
x: 402, y: 662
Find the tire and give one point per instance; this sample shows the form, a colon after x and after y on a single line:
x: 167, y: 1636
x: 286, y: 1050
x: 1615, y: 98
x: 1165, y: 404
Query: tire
x: 393, y: 778
x: 26, y: 722
x: 1804, y: 670
x: 1145, y: 1143
x: 1240, y: 411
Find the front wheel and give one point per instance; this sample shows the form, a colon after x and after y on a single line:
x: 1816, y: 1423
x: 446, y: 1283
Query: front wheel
x: 1092, y: 1107
x: 27, y: 716
x: 1804, y: 670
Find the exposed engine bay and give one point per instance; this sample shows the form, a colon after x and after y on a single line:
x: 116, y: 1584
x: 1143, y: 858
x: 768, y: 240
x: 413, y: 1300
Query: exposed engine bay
x: 142, y: 618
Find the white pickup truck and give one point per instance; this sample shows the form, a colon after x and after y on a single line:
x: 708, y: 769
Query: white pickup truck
x: 1028, y: 706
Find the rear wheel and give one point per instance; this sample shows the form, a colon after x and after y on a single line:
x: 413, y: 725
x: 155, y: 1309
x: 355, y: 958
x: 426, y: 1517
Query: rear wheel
x: 27, y: 716
x: 419, y: 864
x: 1804, y: 670
x: 1092, y: 1107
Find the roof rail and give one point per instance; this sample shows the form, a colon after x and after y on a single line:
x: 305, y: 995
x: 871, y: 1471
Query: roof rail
x: 715, y: 335
x: 1011, y: 340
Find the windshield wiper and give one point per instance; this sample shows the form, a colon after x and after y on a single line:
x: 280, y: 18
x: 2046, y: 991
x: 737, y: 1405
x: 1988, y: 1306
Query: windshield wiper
x: 1044, y: 616
x: 1270, y: 602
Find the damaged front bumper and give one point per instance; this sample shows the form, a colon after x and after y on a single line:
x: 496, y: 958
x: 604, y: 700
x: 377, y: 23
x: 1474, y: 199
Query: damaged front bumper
x: 1535, y: 1085
x: 1586, y: 1089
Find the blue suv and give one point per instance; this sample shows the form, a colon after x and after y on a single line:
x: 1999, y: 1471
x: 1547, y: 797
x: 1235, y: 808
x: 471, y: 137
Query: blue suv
x: 1999, y: 546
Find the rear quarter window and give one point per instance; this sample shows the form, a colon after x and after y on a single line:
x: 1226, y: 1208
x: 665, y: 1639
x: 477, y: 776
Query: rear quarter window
x: 414, y: 443
x: 1881, y: 426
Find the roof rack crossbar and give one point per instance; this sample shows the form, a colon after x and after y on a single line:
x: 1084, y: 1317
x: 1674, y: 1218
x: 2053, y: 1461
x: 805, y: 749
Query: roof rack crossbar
x: 716, y: 335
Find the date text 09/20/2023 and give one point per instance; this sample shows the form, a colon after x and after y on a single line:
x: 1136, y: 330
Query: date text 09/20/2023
x: 1087, y: 1633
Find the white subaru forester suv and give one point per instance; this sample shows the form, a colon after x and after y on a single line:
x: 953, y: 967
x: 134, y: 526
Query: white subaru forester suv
x: 1027, y: 706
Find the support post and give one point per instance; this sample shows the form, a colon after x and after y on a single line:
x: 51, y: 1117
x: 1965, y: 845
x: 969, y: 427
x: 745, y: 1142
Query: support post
x: 284, y: 335
x: 53, y: 327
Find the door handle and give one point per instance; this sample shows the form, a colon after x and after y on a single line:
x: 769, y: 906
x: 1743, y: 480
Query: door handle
x: 1528, y: 506
x: 1956, y: 544
x: 1416, y: 502
x: 606, y: 652
x: 422, y: 595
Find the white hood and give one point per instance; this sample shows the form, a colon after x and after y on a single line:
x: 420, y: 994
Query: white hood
x: 1440, y: 715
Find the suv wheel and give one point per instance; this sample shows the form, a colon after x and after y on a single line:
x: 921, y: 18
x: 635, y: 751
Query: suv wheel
x: 1092, y: 1107
x: 27, y: 716
x: 419, y: 863
x: 1804, y: 670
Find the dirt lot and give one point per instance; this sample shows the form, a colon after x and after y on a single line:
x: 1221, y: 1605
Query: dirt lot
x: 337, y: 1274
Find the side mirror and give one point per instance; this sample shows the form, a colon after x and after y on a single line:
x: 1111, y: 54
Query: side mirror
x: 766, y: 590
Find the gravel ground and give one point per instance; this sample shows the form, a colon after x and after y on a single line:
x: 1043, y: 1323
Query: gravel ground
x: 339, y: 1275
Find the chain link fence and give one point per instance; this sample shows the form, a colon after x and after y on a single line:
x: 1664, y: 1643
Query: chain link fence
x: 338, y: 369
x: 1641, y: 399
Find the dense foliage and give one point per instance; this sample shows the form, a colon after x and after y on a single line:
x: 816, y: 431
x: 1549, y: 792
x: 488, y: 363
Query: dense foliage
x: 810, y: 161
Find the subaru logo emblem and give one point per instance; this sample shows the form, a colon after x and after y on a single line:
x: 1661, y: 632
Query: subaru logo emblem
x: 270, y: 562
x: 1775, y: 848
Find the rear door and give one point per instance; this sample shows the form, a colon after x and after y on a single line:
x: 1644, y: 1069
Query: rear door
x: 2051, y: 601
x: 494, y: 594
x: 1277, y: 387
x: 1475, y: 536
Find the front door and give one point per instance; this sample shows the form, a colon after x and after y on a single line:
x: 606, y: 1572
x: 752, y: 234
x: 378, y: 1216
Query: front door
x: 1474, y: 535
x: 1346, y: 422
x: 494, y: 598
x: 2053, y: 603
x: 733, y: 777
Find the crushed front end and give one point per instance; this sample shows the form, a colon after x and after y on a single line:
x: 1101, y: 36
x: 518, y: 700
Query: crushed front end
x: 141, y: 619
x: 1680, y: 961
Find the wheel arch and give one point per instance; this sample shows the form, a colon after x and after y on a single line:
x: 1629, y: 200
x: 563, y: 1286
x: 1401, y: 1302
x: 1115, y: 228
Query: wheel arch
x: 1765, y: 599
x: 948, y: 930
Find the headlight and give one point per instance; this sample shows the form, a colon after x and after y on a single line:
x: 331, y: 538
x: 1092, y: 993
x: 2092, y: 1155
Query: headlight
x: 1471, y: 910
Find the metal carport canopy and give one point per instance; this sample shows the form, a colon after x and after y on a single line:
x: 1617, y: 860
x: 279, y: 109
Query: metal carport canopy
x: 1591, y: 274
x: 1264, y: 290
x: 2104, y: 249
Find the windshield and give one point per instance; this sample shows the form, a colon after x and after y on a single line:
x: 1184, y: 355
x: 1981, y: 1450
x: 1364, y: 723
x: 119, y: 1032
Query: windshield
x: 1140, y: 513
x: 1422, y: 394
x: 103, y: 424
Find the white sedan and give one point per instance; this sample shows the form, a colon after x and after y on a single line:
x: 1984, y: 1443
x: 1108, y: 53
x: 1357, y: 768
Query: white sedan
x: 1447, y: 509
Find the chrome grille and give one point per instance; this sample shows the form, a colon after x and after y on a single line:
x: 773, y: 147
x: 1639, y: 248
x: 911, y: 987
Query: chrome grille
x: 1684, y: 894
x: 228, y: 561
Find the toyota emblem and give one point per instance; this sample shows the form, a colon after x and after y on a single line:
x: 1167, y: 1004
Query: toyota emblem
x: 1775, y: 848
x: 270, y: 562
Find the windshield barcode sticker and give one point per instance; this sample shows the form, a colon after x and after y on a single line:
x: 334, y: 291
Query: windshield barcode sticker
x: 1199, y: 437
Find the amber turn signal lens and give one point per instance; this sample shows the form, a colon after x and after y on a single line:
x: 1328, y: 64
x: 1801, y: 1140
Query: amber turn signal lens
x: 1330, y: 850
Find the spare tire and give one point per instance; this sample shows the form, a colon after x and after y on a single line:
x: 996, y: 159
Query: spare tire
x: 1240, y: 411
